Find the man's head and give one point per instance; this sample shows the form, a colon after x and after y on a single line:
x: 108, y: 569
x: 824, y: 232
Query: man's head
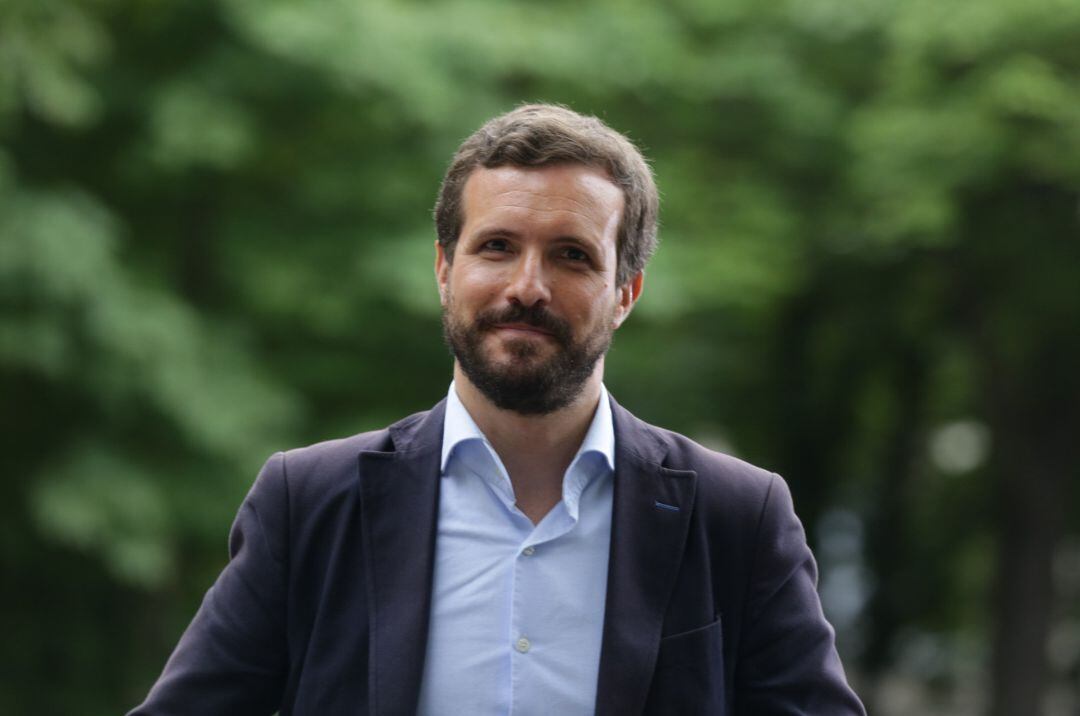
x: 539, y: 135
x: 532, y: 260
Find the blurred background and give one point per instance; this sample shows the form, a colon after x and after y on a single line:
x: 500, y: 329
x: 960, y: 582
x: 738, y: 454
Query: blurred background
x: 215, y: 242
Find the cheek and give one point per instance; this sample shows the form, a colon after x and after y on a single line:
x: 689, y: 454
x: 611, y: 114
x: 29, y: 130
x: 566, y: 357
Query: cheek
x: 470, y: 284
x: 595, y: 312
x: 478, y: 280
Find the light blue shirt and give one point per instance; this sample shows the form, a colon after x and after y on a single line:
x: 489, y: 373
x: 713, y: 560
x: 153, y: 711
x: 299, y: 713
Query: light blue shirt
x: 517, y: 609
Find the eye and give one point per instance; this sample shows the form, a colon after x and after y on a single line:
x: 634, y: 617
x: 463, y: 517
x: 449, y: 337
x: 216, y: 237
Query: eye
x: 496, y: 245
x: 575, y: 254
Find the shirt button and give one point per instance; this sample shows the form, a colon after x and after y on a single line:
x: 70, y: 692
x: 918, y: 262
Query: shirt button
x: 528, y: 551
x: 522, y: 645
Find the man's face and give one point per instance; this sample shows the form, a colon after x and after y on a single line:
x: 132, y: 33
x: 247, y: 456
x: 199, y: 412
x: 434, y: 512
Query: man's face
x: 529, y: 301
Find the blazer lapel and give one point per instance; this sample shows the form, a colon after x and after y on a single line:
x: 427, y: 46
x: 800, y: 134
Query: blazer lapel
x: 650, y: 519
x: 399, y: 503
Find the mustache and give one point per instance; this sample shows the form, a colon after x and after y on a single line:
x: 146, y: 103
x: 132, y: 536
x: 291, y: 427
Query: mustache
x: 536, y: 316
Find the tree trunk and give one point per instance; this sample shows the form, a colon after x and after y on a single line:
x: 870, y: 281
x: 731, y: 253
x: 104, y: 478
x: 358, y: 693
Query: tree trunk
x: 1033, y: 493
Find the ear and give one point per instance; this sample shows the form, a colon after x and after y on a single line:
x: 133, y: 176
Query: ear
x: 442, y: 271
x: 628, y: 295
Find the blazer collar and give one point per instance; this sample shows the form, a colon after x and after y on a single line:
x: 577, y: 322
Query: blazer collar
x: 399, y: 507
x: 649, y: 523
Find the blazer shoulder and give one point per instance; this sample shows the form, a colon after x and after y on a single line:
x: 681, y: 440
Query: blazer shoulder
x: 716, y: 471
x: 329, y: 466
x: 729, y: 489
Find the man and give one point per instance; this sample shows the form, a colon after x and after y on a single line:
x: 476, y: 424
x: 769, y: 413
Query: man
x: 527, y: 546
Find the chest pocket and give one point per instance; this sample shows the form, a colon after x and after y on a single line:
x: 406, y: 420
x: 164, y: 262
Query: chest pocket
x: 689, y: 675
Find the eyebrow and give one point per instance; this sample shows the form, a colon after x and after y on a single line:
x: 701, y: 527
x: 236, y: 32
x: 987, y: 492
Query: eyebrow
x: 495, y: 233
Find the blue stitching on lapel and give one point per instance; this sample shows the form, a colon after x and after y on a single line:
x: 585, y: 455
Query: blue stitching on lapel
x: 665, y: 506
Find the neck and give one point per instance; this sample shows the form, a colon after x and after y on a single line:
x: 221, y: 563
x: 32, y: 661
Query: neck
x: 536, y: 449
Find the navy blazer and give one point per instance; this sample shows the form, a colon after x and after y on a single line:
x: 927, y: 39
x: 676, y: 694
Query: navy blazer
x: 323, y: 607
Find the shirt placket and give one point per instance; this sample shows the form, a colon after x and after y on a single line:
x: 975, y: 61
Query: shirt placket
x: 526, y: 636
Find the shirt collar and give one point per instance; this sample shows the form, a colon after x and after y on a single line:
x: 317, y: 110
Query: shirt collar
x: 459, y: 427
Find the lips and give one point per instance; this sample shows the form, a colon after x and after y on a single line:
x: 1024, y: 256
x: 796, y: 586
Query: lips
x: 524, y: 328
x: 517, y: 320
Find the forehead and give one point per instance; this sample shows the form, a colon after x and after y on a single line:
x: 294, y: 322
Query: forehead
x: 563, y: 195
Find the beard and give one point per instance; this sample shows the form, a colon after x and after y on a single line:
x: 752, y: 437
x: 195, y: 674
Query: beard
x: 530, y: 384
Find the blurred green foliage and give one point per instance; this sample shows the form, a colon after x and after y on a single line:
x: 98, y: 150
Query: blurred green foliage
x: 215, y: 242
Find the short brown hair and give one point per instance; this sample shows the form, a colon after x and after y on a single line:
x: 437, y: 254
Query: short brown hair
x: 537, y: 135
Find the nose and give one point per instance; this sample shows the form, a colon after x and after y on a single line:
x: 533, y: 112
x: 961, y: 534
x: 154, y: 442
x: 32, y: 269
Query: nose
x: 528, y: 283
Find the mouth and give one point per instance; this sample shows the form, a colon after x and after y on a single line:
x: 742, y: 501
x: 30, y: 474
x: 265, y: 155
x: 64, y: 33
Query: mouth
x: 522, y: 329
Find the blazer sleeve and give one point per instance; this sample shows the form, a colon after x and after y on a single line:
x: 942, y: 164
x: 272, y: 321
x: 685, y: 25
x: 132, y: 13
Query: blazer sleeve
x: 232, y: 658
x: 788, y: 663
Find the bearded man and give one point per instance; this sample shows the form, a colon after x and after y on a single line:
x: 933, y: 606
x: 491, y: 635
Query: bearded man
x: 527, y: 546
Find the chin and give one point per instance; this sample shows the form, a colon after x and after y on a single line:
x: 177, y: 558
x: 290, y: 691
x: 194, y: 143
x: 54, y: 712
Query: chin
x: 515, y: 351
